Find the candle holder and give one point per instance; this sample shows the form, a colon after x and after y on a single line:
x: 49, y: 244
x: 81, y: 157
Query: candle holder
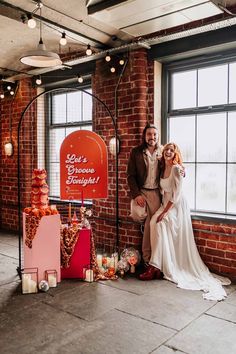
x: 51, y: 277
x: 88, y: 273
x: 30, y: 281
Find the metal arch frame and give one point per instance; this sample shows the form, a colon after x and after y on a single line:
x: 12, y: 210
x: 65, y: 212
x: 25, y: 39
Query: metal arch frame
x: 114, y: 121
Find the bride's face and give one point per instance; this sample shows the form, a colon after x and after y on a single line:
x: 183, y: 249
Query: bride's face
x: 169, y: 153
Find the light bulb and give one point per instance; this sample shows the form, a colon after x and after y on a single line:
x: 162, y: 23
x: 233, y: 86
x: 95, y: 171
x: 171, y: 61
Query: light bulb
x: 88, y: 50
x: 38, y: 81
x: 8, y: 87
x: 108, y: 57
x: 12, y: 92
x: 2, y: 95
x: 31, y: 23
x: 121, y: 62
x: 63, y: 39
x: 112, y: 69
x: 80, y: 79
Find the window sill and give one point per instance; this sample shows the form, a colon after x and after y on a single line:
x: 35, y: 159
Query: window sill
x: 215, y: 218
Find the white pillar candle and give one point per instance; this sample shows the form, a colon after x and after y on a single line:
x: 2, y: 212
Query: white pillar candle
x: 99, y: 260
x: 52, y: 280
x: 112, y: 262
x: 116, y: 258
x: 89, y: 275
x: 26, y: 283
x: 33, y: 286
x: 108, y: 262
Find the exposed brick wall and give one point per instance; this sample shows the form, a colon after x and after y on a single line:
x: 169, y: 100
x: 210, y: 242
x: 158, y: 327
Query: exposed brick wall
x: 8, y: 165
x: 217, y: 246
x: 216, y: 242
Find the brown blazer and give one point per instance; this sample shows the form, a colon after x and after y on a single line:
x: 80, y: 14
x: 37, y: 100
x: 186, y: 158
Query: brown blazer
x: 137, y: 171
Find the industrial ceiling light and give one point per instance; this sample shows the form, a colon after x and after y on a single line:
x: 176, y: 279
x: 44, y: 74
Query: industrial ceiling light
x: 88, y: 50
x: 40, y: 57
x: 63, y: 39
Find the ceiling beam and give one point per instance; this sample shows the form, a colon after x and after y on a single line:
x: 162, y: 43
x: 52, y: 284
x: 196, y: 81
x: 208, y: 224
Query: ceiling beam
x: 103, y: 5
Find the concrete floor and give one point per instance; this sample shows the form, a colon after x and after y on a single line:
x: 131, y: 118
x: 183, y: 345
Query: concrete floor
x: 126, y: 316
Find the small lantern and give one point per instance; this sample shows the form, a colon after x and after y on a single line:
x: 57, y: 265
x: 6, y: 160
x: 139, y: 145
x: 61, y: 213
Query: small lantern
x: 30, y: 281
x: 88, y: 273
x: 51, y: 277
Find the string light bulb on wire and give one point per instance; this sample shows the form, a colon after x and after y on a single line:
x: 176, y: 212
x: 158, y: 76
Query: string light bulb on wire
x: 121, y: 61
x: 38, y: 80
x: 108, y: 57
x: 112, y: 69
x: 88, y: 50
x: 31, y: 21
x: 80, y: 79
x: 63, y: 39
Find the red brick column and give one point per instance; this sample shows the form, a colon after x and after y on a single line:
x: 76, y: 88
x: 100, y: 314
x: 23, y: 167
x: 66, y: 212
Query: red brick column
x: 8, y: 165
x: 134, y: 98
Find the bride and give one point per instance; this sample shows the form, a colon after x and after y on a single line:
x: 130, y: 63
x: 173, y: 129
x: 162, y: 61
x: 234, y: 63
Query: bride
x: 174, y: 252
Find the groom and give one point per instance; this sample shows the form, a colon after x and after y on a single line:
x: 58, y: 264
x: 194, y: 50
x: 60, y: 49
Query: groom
x: 143, y: 174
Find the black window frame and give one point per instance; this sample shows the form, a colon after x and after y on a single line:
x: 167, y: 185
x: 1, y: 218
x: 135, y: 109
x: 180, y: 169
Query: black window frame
x: 50, y: 125
x: 198, y: 62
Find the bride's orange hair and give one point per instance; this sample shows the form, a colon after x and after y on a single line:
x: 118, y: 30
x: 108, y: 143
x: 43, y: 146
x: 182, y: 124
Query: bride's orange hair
x: 177, y: 154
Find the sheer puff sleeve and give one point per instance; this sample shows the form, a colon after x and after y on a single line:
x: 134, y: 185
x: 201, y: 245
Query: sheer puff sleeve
x: 177, y: 180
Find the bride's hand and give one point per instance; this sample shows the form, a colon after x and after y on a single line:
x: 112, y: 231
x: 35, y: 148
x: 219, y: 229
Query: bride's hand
x: 140, y: 201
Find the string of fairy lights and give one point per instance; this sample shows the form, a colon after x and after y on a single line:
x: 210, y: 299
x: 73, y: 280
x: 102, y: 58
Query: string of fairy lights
x: 8, y: 88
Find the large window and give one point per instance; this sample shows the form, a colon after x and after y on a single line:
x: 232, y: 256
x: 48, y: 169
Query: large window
x: 69, y: 112
x: 201, y: 118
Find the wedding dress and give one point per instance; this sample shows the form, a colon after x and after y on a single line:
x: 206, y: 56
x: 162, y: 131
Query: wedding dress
x: 173, y: 246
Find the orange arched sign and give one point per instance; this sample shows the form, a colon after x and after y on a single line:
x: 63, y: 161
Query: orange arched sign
x: 83, y: 166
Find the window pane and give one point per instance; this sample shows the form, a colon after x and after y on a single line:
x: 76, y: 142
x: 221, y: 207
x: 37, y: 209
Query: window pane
x: 56, y: 138
x: 182, y: 132
x: 54, y: 179
x: 231, y: 202
x: 59, y: 108
x: 189, y: 184
x: 211, y: 137
x: 74, y: 106
x: 211, y: 187
x: 87, y: 127
x: 184, y: 89
x: 212, y: 85
x: 231, y: 137
x: 87, y: 106
x: 232, y: 83
x: 71, y: 130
